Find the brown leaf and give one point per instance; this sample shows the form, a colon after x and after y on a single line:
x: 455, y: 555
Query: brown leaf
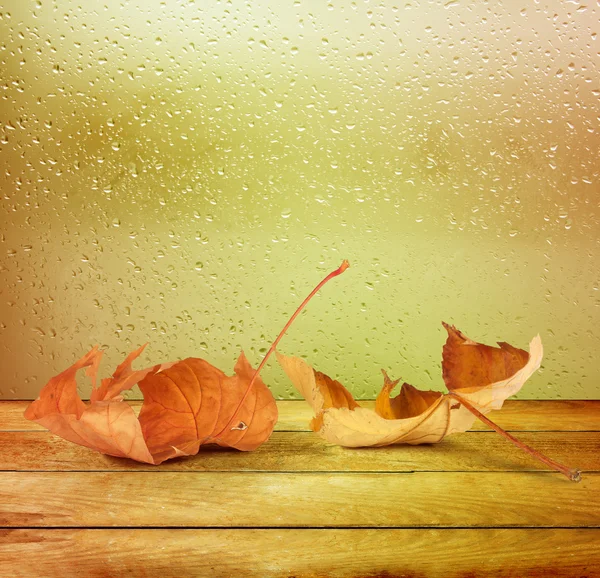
x: 414, y: 416
x: 186, y: 404
x: 483, y: 375
x: 467, y: 365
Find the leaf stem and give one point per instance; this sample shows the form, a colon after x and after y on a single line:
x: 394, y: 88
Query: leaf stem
x: 573, y: 475
x: 331, y: 275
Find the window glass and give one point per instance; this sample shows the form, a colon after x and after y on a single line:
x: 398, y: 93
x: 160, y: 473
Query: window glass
x: 183, y: 173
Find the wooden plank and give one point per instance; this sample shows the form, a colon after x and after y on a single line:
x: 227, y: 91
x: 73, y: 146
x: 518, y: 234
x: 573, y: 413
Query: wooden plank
x: 297, y: 451
x: 516, y: 415
x: 220, y: 499
x: 337, y: 553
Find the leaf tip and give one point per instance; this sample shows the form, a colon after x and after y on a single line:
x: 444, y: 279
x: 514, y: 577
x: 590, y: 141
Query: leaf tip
x: 388, y: 384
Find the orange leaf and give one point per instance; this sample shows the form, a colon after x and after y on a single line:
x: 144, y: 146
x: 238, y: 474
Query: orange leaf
x: 186, y: 404
x: 408, y: 403
x: 196, y: 401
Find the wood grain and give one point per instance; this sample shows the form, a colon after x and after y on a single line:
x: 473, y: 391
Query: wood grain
x: 383, y: 553
x: 298, y: 507
x: 212, y: 499
x: 298, y: 451
x: 516, y: 415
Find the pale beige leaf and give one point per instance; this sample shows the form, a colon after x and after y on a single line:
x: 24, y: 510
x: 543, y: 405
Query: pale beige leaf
x: 363, y: 427
x: 340, y: 420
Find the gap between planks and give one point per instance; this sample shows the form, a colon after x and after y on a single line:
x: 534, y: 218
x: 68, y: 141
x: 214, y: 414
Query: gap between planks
x: 274, y: 553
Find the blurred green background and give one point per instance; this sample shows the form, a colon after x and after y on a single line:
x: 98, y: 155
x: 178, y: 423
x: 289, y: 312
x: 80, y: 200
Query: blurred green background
x: 183, y: 173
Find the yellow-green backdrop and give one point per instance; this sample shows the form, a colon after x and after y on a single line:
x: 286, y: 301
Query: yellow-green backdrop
x: 183, y: 172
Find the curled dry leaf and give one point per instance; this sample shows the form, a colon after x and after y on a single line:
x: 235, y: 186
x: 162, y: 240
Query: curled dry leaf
x: 484, y: 376
x: 186, y: 404
x: 479, y: 378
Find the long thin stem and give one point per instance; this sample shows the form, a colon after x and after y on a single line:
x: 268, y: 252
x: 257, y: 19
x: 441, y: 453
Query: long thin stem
x: 331, y: 275
x: 573, y: 475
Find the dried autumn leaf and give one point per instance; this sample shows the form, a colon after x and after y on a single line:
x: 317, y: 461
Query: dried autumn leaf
x: 197, y: 401
x: 410, y: 402
x: 416, y: 416
x: 478, y: 376
x: 186, y: 404
x: 469, y: 367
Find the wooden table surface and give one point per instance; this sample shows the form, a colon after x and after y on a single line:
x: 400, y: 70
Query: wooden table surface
x: 473, y: 505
